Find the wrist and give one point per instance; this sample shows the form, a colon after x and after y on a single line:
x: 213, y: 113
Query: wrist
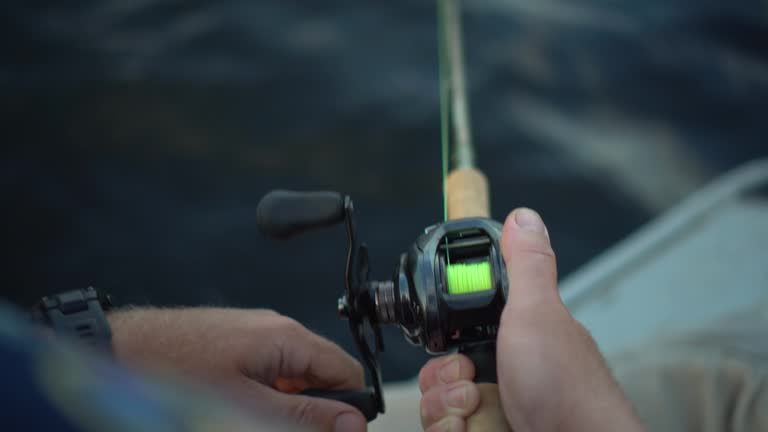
x: 130, y: 335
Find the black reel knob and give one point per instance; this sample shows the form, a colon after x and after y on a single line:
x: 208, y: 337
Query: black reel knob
x: 284, y: 214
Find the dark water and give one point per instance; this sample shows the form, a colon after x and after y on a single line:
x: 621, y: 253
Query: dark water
x: 139, y: 136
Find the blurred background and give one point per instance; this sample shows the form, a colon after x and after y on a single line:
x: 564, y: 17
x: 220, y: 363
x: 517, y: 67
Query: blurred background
x: 139, y: 135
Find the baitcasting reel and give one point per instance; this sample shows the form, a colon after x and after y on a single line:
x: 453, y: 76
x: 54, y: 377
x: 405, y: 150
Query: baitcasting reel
x: 448, y: 289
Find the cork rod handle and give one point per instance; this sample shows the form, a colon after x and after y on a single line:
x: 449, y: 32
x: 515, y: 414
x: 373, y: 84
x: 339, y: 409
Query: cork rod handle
x: 467, y: 191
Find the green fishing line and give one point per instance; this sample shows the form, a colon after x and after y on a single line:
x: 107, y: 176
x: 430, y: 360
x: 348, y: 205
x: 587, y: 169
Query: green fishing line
x: 466, y: 278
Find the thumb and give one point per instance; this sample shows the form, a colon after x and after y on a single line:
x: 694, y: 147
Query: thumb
x: 530, y: 260
x: 319, y: 414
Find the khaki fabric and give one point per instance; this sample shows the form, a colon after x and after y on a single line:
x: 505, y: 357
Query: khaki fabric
x: 712, y: 381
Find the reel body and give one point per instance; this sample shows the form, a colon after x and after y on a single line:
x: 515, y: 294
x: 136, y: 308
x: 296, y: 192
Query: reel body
x: 440, y: 310
x: 448, y: 289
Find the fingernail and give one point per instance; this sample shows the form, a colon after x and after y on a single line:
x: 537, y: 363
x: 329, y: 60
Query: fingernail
x: 456, y: 397
x: 528, y: 219
x: 349, y: 422
x: 449, y: 372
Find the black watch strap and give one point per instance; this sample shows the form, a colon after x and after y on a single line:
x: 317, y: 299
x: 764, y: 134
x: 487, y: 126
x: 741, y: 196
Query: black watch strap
x: 78, y: 315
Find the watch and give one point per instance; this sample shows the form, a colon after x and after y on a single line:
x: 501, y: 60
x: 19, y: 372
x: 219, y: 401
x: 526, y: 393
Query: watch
x: 78, y: 315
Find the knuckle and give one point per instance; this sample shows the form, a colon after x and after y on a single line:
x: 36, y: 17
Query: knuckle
x: 289, y: 325
x: 459, y: 399
x: 428, y: 373
x: 528, y: 244
x: 259, y: 319
x: 302, y: 412
x: 539, y: 249
x: 434, y: 406
x: 537, y: 260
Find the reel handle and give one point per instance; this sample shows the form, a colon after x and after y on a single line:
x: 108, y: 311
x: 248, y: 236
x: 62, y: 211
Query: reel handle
x: 489, y: 415
x: 283, y: 214
x: 363, y: 400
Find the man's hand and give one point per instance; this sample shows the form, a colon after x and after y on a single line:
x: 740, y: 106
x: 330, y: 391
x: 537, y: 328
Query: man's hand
x: 258, y: 356
x: 448, y: 394
x: 551, y: 374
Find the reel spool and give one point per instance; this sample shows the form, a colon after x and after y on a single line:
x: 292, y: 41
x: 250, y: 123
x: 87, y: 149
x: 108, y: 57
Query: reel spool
x: 448, y: 290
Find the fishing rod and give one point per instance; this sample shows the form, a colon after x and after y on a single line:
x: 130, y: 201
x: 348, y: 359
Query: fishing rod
x: 450, y: 287
x: 466, y: 195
